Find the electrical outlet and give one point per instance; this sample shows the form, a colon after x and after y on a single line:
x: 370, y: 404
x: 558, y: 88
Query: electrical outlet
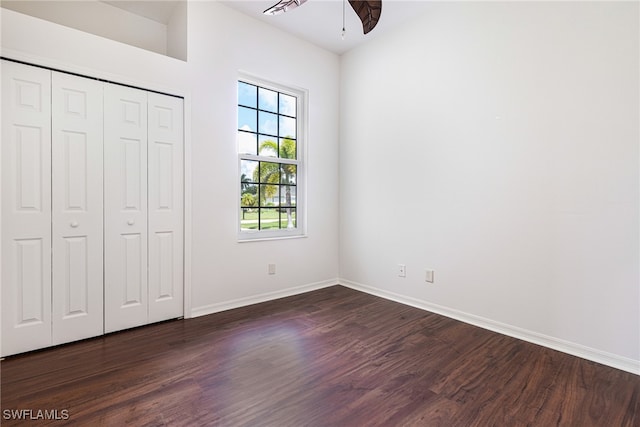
x: 402, y: 270
x: 272, y: 269
x: 428, y: 276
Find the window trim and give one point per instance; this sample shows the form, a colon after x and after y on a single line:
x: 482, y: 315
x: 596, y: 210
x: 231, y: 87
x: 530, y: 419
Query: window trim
x: 302, y: 97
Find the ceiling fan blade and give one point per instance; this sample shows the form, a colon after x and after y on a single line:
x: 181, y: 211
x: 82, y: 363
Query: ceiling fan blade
x: 283, y: 6
x: 368, y: 11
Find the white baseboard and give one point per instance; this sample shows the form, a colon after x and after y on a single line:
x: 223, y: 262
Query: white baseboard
x: 255, y: 299
x: 608, y: 359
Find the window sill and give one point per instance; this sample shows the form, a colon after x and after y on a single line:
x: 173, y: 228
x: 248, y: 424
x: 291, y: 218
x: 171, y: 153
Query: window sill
x: 245, y: 239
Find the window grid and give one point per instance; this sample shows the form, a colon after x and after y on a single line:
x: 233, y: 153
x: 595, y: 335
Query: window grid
x: 271, y: 190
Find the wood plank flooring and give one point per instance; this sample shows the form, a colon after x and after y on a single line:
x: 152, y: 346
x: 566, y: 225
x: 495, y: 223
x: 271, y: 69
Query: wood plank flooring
x: 333, y: 357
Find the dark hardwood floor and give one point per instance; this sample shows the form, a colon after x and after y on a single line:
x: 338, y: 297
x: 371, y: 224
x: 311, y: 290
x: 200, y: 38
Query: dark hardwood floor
x: 333, y: 357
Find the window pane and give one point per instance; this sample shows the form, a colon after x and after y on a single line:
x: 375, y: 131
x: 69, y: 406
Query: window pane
x: 249, y: 195
x: 288, y: 174
x: 268, y: 123
x: 288, y: 218
x: 269, y: 218
x: 267, y: 146
x: 248, y: 171
x: 269, y: 173
x: 287, y: 105
x: 269, y: 195
x: 268, y: 100
x: 249, y: 219
x: 287, y: 127
x: 288, y: 195
x: 247, y: 119
x: 247, y: 143
x: 288, y: 148
x: 247, y: 94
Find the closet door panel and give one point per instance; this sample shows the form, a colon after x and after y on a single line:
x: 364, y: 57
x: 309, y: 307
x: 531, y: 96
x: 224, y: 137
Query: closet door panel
x: 166, y: 206
x: 125, y: 187
x: 26, y: 208
x: 77, y: 150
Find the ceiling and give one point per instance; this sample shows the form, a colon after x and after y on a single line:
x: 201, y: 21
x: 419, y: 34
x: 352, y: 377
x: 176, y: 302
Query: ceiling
x: 320, y: 21
x: 317, y: 21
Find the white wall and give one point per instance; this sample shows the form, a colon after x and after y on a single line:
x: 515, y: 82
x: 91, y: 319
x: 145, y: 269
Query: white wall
x: 497, y: 143
x: 223, y: 272
x: 98, y: 18
x: 222, y: 41
x: 177, y: 32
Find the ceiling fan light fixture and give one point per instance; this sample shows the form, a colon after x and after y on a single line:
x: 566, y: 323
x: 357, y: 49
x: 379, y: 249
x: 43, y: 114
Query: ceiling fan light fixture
x: 368, y: 11
x: 283, y: 6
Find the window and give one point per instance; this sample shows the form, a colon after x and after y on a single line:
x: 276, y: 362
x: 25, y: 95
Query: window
x: 270, y: 123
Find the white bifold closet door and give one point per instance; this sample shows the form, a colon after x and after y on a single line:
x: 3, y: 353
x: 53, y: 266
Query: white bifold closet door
x: 51, y: 208
x: 143, y: 207
x: 76, y: 180
x: 92, y: 183
x: 26, y: 208
x: 166, y: 206
x: 125, y: 203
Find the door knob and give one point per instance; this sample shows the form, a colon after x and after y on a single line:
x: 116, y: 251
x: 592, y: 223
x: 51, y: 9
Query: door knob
x: 130, y: 222
x: 74, y: 224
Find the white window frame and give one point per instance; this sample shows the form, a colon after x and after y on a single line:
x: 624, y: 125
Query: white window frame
x: 300, y: 161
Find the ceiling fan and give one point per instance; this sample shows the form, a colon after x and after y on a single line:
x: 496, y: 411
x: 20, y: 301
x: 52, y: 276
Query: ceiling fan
x: 367, y: 10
